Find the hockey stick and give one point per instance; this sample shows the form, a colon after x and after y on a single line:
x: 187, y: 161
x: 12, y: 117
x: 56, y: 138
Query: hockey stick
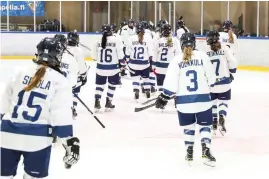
x: 96, y: 118
x: 146, y: 102
x: 145, y: 107
x: 84, y: 46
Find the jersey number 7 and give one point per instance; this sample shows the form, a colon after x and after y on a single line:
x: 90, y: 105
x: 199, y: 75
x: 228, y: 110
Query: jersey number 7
x: 217, y: 62
x: 30, y: 104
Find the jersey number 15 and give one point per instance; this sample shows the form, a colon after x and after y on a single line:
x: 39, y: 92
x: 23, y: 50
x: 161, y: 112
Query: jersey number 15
x: 30, y: 105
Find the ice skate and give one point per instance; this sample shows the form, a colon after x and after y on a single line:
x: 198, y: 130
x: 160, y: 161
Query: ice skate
x: 153, y: 90
x: 74, y: 112
x: 189, y: 155
x: 147, y: 93
x: 143, y: 89
x: 215, y: 126
x: 97, y: 105
x: 109, y: 106
x: 136, y: 94
x: 222, y: 128
x: 208, y: 158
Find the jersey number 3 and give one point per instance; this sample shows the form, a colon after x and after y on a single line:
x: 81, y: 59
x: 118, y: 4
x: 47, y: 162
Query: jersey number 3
x: 30, y: 104
x: 193, y: 80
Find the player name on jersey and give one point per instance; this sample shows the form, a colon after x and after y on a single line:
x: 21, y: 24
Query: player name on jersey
x: 137, y: 43
x: 42, y: 85
x: 194, y: 62
x: 219, y: 52
x: 108, y: 45
x: 164, y: 44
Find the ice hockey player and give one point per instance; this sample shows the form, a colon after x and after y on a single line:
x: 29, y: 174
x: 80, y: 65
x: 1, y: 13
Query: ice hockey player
x: 109, y: 53
x: 36, y: 106
x: 74, y: 66
x: 152, y: 76
x: 190, y: 76
x: 228, y: 38
x: 157, y: 34
x: 165, y: 49
x: 224, y: 63
x: 181, y: 28
x: 139, y: 54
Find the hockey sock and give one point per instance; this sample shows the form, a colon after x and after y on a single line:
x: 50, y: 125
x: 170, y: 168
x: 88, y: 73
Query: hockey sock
x: 99, y: 91
x: 215, y: 109
x: 152, y: 79
x: 136, y: 82
x: 223, y: 107
x: 111, y: 91
x: 189, y: 135
x: 146, y: 83
x: 206, y: 135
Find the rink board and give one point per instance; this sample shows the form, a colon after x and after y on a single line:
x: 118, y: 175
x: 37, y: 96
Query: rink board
x: 249, y: 68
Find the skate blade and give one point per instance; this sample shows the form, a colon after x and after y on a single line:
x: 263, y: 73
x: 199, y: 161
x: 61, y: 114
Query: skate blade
x: 210, y: 163
x: 96, y: 110
x: 222, y: 132
x: 108, y: 109
x: 190, y: 162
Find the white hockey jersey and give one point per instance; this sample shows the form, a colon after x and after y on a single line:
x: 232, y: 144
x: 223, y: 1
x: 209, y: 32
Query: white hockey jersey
x: 108, y: 59
x: 181, y: 31
x: 32, y: 118
x: 224, y: 64
x: 163, y: 54
x: 139, y: 54
x: 224, y: 39
x: 125, y: 33
x: 190, y: 82
x: 73, y: 64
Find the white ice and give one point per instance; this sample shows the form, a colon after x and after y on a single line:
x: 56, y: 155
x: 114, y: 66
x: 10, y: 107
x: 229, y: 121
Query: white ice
x: 149, y: 144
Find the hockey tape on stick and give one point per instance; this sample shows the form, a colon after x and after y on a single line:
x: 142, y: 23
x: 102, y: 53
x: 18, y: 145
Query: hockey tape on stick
x: 96, y: 118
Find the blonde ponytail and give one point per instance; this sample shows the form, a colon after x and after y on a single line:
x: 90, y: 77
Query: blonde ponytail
x: 231, y: 37
x: 140, y: 37
x: 169, y: 41
x: 36, y: 79
x: 187, y: 53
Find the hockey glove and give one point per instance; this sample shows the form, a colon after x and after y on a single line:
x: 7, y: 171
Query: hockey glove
x: 161, y: 101
x: 83, y: 79
x: 72, y: 151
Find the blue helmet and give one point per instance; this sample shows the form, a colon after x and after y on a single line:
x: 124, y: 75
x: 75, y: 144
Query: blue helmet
x: 73, y: 38
x: 49, y: 51
x: 166, y: 30
x: 212, y: 37
x: 227, y: 25
x: 145, y: 24
x: 106, y: 29
x: 187, y: 40
x: 114, y: 27
x: 140, y: 28
x: 61, y: 38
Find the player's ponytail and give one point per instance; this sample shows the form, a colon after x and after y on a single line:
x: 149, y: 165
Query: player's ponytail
x: 36, y: 79
x: 140, y: 37
x: 187, y: 53
x: 169, y: 41
x: 104, y: 40
x: 231, y: 37
x: 215, y: 46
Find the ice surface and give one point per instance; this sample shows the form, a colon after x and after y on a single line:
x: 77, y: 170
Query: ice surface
x: 149, y: 144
